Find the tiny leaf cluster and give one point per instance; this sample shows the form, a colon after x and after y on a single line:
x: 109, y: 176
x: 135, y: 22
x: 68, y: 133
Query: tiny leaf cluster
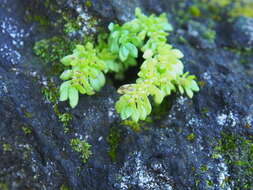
x: 160, y: 74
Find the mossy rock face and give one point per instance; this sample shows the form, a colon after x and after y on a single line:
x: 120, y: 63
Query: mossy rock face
x: 243, y: 26
x: 237, y: 152
x: 203, y: 143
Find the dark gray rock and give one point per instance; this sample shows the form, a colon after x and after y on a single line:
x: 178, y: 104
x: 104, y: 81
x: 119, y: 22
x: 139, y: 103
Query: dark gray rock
x: 201, y: 36
x: 242, y: 32
x: 162, y: 155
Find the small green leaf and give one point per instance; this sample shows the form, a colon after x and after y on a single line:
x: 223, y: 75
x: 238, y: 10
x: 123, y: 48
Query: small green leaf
x: 159, y: 95
x: 138, y: 12
x: 64, y: 94
x: 81, y: 48
x: 66, y: 75
x: 65, y: 85
x: 111, y: 26
x: 167, y: 27
x: 120, y: 104
x: 73, y: 97
x: 130, y: 62
x: 115, y: 35
x: 181, y: 90
x: 142, y: 35
x: 123, y: 53
x: 147, y: 54
x: 68, y: 59
x: 80, y: 88
x: 178, y: 53
x: 95, y: 84
x: 135, y: 114
x: 114, y: 46
x: 132, y: 49
x: 142, y: 112
x: 98, y: 82
x: 147, y: 105
x: 189, y: 93
x: 101, y: 77
x: 194, y: 86
x: 126, y: 112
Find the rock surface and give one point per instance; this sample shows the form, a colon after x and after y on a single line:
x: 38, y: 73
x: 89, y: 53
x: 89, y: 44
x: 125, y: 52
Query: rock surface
x: 178, y: 150
x: 242, y: 32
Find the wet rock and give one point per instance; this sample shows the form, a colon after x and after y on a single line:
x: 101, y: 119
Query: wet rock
x: 200, y: 35
x: 242, y: 33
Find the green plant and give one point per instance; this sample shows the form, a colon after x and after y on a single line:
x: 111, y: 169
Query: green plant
x: 82, y: 147
x: 160, y: 74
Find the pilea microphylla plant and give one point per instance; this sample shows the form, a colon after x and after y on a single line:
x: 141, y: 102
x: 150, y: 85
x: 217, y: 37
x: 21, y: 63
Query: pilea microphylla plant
x: 160, y: 74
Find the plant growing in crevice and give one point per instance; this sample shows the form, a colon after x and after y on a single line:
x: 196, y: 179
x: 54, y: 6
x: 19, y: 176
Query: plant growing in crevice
x: 160, y: 74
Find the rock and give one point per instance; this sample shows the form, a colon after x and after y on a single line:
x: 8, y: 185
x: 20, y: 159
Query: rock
x: 201, y: 36
x: 242, y: 33
x: 188, y: 144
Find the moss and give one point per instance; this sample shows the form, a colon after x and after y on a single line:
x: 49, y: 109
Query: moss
x: 28, y: 114
x: 238, y: 154
x: 88, y: 3
x: 244, y: 9
x: 50, y: 92
x: 194, y: 11
x: 26, y: 130
x: 26, y: 155
x: 240, y: 51
x: 7, y: 147
x: 43, y: 21
x: 53, y: 49
x: 201, y: 83
x: 182, y: 40
x: 3, y: 186
x: 221, y: 3
x: 64, y: 187
x: 209, y: 34
x: 233, y: 8
x: 31, y: 15
x: 71, y: 27
x: 204, y: 111
x: 65, y: 118
x: 209, y: 183
x: 82, y: 147
x: 113, y: 139
x: 203, y: 168
x: 66, y: 129
x: 190, y: 137
x: 133, y: 125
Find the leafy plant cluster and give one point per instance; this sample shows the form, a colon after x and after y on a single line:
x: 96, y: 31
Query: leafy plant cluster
x: 160, y: 74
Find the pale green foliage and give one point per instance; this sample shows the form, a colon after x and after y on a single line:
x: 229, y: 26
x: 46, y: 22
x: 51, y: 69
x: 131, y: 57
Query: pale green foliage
x: 85, y: 76
x: 82, y: 147
x: 160, y: 74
